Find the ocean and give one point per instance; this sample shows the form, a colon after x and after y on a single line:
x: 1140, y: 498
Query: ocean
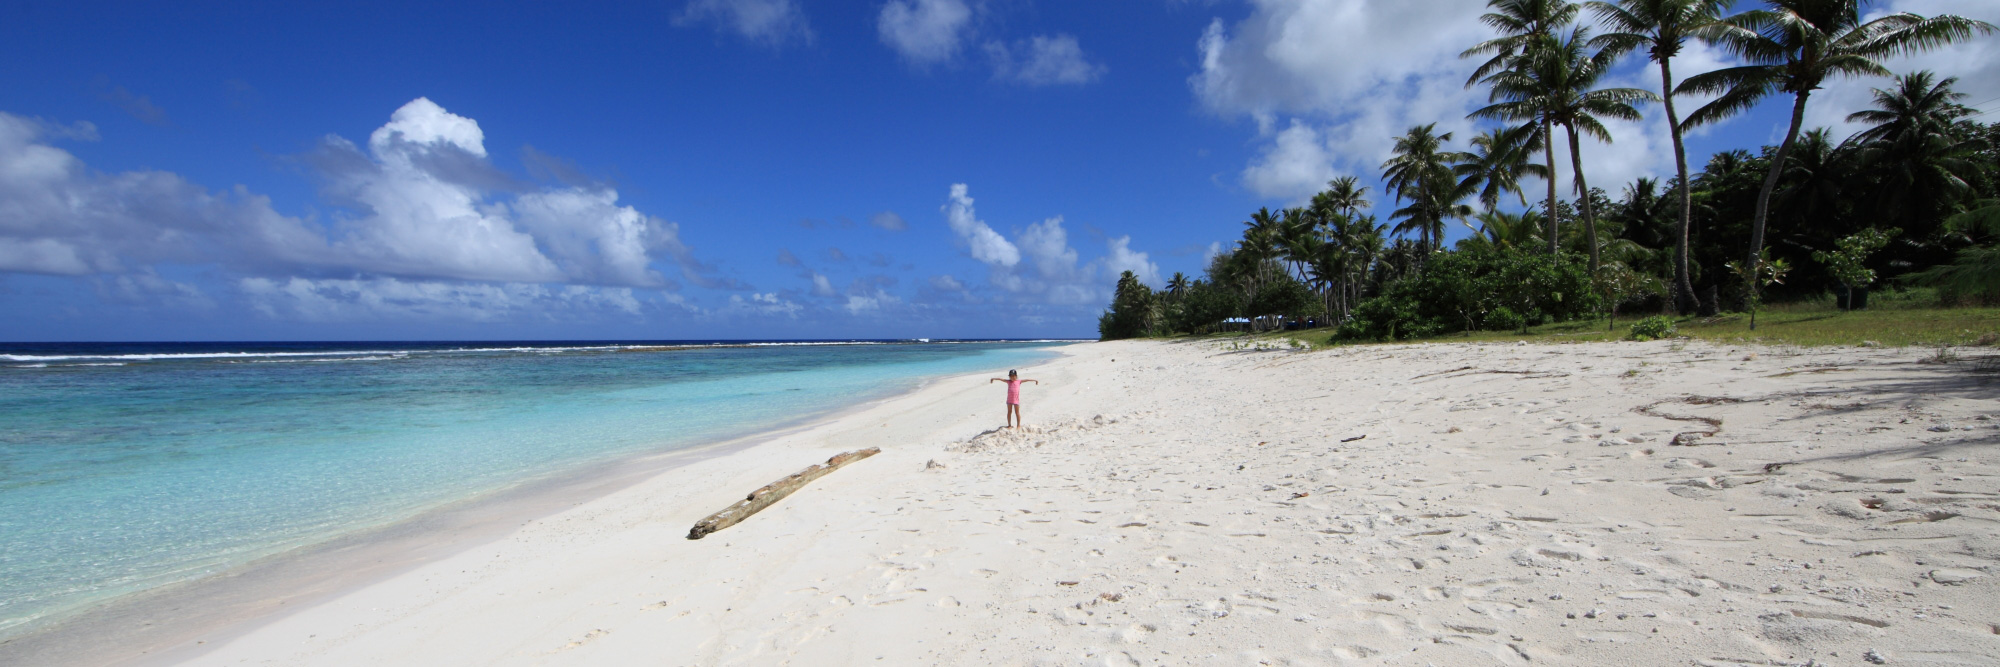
x: 125, y: 467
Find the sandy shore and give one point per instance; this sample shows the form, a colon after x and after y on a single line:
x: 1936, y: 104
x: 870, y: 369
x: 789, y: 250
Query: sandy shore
x: 1178, y: 503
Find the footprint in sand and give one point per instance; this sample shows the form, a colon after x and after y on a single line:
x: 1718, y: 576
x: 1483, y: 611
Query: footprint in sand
x: 587, y: 637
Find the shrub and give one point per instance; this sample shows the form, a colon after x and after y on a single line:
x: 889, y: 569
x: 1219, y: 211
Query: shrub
x: 1505, y: 319
x: 1652, y: 328
x: 1464, y: 290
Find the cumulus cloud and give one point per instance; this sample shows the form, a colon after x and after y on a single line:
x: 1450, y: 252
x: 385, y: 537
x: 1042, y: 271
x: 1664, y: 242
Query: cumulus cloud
x: 425, y: 212
x: 1297, y: 163
x: 1120, y: 257
x: 924, y: 32
x: 767, y: 22
x: 888, y: 220
x: 59, y: 217
x: 1040, y: 265
x: 1043, y: 61
x: 985, y: 244
x: 422, y: 220
x: 821, y: 287
x: 1348, y: 74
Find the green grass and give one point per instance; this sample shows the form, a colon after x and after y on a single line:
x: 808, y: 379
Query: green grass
x: 1893, y: 319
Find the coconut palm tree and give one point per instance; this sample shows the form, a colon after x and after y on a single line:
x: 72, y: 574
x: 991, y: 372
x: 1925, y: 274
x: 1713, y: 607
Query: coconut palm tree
x: 1556, y: 80
x: 1505, y: 231
x: 1498, y: 160
x: 1260, y: 246
x: 1662, y: 27
x: 1346, y: 195
x: 1794, y: 47
x: 1521, y: 24
x: 1420, y: 171
x: 1299, y: 239
x: 1914, y: 147
x: 1178, y: 285
x: 1817, y: 172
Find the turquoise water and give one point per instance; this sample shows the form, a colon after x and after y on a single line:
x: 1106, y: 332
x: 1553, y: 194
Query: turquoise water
x: 124, y: 467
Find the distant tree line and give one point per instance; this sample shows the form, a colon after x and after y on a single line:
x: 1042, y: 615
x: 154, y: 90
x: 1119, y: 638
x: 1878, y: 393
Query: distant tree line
x: 1913, y: 197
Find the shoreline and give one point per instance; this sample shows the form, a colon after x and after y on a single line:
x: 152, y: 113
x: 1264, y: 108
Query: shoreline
x: 182, y: 620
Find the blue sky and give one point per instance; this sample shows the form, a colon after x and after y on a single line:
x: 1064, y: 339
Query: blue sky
x: 705, y: 168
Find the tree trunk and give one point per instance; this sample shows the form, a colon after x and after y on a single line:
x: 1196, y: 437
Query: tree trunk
x: 1684, y: 298
x: 1549, y: 158
x: 1583, y: 197
x: 1771, y: 184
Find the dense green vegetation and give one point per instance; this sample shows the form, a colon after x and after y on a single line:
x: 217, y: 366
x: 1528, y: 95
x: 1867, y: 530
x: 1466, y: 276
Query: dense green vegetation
x: 1912, y: 200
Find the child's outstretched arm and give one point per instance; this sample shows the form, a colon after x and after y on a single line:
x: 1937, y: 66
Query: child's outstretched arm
x: 1028, y: 380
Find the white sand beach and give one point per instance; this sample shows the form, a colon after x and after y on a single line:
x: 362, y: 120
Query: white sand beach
x: 1178, y: 503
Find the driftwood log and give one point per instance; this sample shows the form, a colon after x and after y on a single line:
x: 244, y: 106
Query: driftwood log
x: 773, y: 492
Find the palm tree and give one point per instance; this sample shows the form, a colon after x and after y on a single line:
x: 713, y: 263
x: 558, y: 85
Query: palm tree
x: 1922, y: 160
x: 1299, y: 239
x: 1555, y: 80
x: 1345, y: 194
x: 1420, y: 171
x: 1794, y: 47
x: 1817, y: 171
x: 1498, y: 161
x: 1506, y: 231
x: 1662, y: 27
x: 1521, y: 23
x: 1260, y: 246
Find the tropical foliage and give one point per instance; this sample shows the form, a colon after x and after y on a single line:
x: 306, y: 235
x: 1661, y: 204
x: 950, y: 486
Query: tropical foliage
x: 1912, y: 198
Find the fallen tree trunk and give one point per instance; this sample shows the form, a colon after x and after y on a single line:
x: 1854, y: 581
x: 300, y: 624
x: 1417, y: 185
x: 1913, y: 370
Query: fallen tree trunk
x: 773, y: 492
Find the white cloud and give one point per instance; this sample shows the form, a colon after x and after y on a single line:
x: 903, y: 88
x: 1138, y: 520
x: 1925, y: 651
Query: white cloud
x: 1121, y: 258
x: 1353, y: 72
x: 872, y: 301
x: 986, y: 245
x: 1295, y: 165
x: 1042, y: 267
x: 1043, y: 61
x: 592, y: 239
x: 424, y: 123
x: 423, y: 210
x: 768, y: 22
x: 925, y: 32
x: 822, y: 286
x: 768, y: 303
x: 59, y: 217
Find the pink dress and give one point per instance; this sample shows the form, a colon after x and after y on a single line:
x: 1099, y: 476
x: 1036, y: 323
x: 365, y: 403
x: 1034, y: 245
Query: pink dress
x: 1013, y: 392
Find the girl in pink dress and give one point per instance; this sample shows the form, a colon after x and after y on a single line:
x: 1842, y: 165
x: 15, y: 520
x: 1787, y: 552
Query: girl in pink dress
x: 1013, y: 381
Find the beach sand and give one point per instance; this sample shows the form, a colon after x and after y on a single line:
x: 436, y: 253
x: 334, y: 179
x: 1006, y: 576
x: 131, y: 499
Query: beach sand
x: 1175, y: 503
